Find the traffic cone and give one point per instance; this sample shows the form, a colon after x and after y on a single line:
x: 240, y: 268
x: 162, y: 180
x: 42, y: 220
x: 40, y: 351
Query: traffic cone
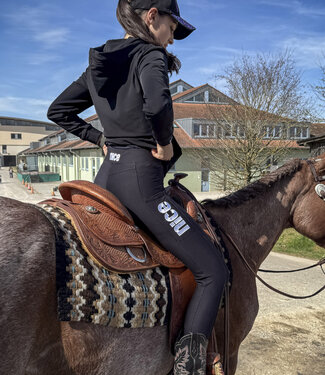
x: 26, y: 184
x: 31, y: 190
x: 29, y: 186
x: 22, y: 181
x: 53, y: 194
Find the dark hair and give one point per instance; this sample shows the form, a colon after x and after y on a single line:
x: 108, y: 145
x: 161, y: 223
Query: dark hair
x: 131, y: 21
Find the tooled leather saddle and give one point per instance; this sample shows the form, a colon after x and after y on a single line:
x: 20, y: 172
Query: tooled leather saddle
x: 110, y: 236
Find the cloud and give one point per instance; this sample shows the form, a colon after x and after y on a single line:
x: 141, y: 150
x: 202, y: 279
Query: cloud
x: 30, y: 107
x: 296, y: 7
x: 41, y: 58
x: 34, y: 23
x: 204, y: 4
x: 27, y: 107
x: 308, y: 52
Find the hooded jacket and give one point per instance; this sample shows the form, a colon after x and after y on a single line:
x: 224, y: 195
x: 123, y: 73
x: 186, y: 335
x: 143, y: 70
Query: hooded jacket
x: 127, y: 82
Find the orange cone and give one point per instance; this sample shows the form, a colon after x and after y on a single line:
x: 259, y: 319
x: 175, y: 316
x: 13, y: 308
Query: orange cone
x: 31, y: 190
x: 53, y: 194
x: 26, y: 184
x: 22, y: 181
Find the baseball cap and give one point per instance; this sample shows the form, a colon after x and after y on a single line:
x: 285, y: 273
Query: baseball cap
x: 183, y: 30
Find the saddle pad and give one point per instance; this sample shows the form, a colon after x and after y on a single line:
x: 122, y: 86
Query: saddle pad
x: 90, y: 293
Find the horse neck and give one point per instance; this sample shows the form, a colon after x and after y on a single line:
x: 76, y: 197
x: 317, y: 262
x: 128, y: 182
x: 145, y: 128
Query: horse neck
x: 256, y: 225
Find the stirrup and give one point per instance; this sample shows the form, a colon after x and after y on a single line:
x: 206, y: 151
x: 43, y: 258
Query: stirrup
x: 217, y: 366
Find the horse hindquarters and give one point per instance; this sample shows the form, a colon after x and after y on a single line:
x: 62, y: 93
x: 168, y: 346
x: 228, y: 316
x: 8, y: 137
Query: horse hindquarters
x: 30, y: 335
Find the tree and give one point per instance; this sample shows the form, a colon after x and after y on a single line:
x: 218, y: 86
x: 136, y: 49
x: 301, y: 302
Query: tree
x: 253, y: 131
x: 320, y: 89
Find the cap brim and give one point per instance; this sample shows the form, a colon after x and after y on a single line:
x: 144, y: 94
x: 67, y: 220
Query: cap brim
x: 184, y: 29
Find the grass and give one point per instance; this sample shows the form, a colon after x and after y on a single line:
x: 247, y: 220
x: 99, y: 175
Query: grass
x: 293, y: 243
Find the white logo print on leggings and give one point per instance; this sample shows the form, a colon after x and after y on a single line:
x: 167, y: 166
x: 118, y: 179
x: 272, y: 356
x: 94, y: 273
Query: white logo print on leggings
x: 113, y: 156
x: 176, y: 221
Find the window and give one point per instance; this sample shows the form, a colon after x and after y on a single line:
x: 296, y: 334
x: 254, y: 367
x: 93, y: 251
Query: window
x: 298, y: 132
x: 196, y: 98
x: 204, y: 130
x: 240, y: 131
x: 173, y: 90
x: 4, y: 149
x: 71, y: 160
x: 227, y: 130
x: 82, y: 163
x: 272, y: 131
x: 15, y: 135
x: 87, y: 164
x: 196, y: 130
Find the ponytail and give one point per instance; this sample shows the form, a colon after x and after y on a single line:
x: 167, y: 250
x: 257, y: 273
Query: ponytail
x: 131, y: 21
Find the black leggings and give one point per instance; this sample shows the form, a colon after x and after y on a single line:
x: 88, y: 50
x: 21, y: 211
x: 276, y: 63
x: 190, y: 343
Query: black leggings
x: 136, y: 178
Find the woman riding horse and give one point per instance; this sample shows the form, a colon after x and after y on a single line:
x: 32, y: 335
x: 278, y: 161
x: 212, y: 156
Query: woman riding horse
x: 127, y: 82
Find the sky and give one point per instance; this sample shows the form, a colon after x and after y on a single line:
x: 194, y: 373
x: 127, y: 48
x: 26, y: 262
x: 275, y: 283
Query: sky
x: 45, y: 45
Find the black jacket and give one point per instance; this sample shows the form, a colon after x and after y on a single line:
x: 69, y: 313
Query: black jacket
x: 127, y: 82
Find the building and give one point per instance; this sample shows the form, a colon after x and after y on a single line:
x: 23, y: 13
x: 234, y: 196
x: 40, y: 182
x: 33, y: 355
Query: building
x: 17, y: 134
x: 316, y: 141
x: 194, y: 128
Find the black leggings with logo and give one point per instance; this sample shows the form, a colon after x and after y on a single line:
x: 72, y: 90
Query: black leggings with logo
x: 136, y: 178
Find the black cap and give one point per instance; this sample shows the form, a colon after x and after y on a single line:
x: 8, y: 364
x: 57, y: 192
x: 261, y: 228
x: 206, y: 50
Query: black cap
x: 170, y: 7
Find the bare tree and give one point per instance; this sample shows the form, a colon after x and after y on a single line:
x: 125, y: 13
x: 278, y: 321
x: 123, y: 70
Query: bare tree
x: 254, y: 131
x: 320, y: 89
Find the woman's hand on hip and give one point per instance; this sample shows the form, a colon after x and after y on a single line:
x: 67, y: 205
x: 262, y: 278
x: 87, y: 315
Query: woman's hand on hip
x: 163, y: 152
x: 105, y: 150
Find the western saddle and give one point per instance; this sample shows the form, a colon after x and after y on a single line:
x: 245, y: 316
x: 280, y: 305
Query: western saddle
x: 111, y: 238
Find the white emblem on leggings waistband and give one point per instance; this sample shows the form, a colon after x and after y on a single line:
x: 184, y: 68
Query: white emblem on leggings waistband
x: 175, y: 221
x: 113, y: 156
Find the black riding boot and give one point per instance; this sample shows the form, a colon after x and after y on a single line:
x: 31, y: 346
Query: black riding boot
x: 190, y: 354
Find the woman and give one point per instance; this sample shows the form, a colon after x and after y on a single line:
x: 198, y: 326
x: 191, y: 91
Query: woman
x: 127, y: 82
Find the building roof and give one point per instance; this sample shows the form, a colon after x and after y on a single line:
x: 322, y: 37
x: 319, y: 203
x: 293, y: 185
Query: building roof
x: 186, y: 92
x: 179, y: 80
x: 317, y: 129
x: 26, y: 119
x: 197, y: 111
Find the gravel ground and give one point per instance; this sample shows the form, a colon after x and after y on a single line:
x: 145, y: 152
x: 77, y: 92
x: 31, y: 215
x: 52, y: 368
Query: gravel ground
x: 288, y: 336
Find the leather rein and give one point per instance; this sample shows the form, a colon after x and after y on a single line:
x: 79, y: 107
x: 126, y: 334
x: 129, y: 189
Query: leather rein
x: 319, y: 263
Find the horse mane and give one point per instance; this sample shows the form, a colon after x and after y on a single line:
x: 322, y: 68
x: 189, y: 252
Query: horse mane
x: 256, y: 188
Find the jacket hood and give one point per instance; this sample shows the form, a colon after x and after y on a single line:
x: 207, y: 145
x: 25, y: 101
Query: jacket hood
x: 109, y: 63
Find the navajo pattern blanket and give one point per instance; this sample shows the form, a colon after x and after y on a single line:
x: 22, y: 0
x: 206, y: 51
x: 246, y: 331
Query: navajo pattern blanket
x: 90, y: 293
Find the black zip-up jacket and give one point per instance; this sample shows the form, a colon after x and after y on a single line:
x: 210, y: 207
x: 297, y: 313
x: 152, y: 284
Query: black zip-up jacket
x: 127, y: 82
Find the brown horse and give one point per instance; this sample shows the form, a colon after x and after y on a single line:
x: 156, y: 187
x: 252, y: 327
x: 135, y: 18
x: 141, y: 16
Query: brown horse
x: 34, y: 342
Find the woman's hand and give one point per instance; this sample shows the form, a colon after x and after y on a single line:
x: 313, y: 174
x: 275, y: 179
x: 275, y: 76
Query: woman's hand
x: 163, y: 152
x: 105, y: 150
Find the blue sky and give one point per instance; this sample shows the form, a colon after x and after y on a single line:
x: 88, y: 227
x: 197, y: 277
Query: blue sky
x: 45, y: 44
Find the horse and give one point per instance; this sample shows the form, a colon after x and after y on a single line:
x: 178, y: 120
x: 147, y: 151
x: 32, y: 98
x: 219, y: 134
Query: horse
x: 33, y: 341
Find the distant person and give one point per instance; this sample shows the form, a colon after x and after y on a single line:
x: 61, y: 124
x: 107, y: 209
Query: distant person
x: 21, y: 167
x: 11, y: 172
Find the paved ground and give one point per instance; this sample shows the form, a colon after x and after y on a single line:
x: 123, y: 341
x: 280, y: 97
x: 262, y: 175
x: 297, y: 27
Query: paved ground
x: 288, y: 336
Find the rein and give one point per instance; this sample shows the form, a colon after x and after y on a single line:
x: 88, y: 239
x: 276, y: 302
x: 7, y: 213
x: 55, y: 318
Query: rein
x: 320, y: 263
